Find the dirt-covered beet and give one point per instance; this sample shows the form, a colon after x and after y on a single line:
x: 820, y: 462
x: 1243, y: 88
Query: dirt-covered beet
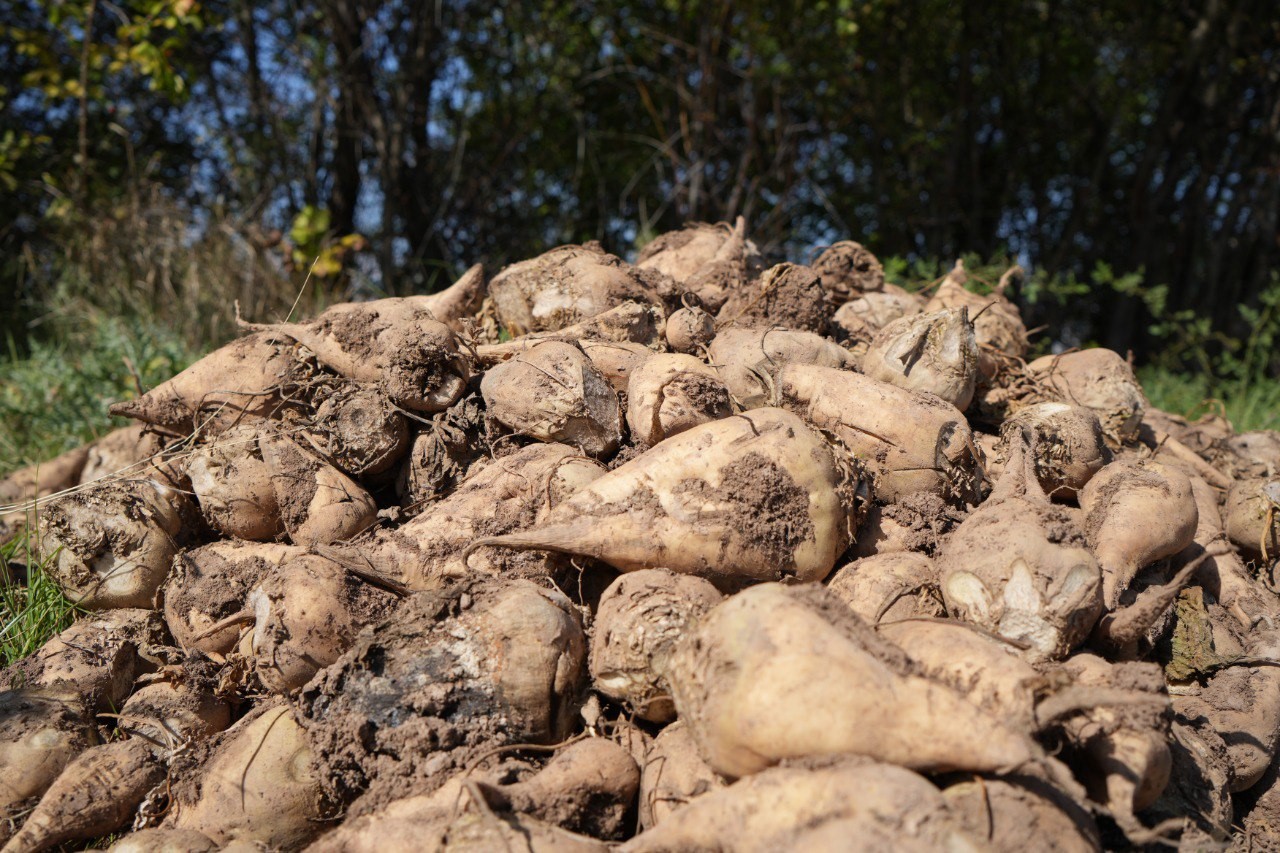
x: 689, y: 330
x: 256, y: 783
x: 858, y: 320
x: 112, y: 543
x: 788, y: 295
x: 673, y: 774
x: 1069, y: 445
x: 553, y: 392
x: 41, y: 731
x: 359, y: 429
x: 936, y: 353
x: 452, y: 672
x: 1019, y: 566
x: 1097, y: 379
x: 848, y: 270
x: 808, y: 807
x: 640, y: 619
x: 97, y: 659
x: 747, y: 360
x: 306, y: 613
x: 497, y: 496
x: 210, y: 585
x: 565, y: 286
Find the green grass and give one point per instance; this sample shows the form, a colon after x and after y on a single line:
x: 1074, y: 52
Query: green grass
x: 1248, y: 406
x: 56, y: 398
x: 32, y: 613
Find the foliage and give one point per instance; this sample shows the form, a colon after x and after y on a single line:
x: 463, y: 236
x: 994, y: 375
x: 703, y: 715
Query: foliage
x: 1077, y: 136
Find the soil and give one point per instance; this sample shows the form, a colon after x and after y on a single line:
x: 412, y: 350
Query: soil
x: 788, y: 295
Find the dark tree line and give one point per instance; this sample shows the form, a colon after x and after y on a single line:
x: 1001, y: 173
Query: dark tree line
x: 1061, y: 132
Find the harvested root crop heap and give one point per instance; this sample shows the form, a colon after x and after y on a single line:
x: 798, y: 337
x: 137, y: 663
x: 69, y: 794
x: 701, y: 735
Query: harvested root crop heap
x: 691, y: 554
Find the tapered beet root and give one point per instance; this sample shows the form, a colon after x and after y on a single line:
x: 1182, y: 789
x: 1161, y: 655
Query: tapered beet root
x: 759, y: 496
x: 41, y: 731
x: 739, y: 679
x: 1123, y: 493
x: 456, y: 302
x: 95, y: 795
x: 498, y: 496
x: 912, y: 442
x: 821, y: 807
x: 411, y: 357
x: 97, y: 659
x: 243, y: 381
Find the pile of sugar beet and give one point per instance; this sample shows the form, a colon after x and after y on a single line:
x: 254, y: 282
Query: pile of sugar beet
x: 690, y: 554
